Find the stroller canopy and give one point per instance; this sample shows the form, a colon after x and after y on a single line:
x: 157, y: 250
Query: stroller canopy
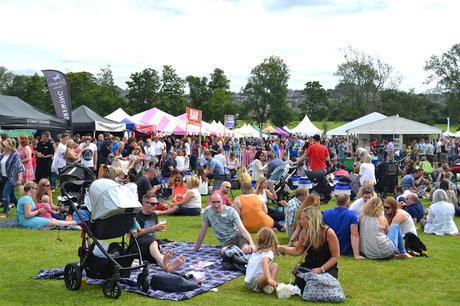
x: 106, y: 198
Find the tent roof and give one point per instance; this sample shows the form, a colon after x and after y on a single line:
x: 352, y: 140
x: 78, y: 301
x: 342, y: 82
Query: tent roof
x: 17, y: 114
x: 85, y: 119
x: 306, y: 127
x: 118, y: 115
x: 164, y: 122
x: 342, y: 130
x: 247, y: 131
x: 395, y: 125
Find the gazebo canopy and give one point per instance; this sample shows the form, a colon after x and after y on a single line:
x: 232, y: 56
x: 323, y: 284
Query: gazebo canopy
x: 85, y: 119
x: 395, y: 125
x: 342, y: 130
x: 306, y: 128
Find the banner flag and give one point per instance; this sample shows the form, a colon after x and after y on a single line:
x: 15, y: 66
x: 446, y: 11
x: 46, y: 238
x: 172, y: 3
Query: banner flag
x: 58, y: 86
x: 193, y: 116
x: 230, y: 121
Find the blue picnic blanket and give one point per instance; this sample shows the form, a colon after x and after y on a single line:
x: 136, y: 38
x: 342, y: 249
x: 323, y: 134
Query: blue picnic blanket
x: 14, y: 224
x: 214, y: 274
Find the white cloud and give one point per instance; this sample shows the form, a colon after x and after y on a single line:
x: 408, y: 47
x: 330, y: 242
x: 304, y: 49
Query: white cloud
x: 197, y: 36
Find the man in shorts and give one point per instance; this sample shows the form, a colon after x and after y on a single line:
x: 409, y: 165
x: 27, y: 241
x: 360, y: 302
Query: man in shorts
x: 146, y: 236
x: 227, y: 226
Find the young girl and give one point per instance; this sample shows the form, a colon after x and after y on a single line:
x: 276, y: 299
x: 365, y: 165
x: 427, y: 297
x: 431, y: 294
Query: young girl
x: 261, y: 272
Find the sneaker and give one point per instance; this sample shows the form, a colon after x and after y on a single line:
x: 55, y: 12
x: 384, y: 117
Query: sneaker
x: 268, y: 289
x: 11, y: 205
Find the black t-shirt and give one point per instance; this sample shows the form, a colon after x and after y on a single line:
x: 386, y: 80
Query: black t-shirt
x: 106, y: 149
x: 147, y: 221
x: 143, y: 186
x: 165, y: 171
x: 45, y: 149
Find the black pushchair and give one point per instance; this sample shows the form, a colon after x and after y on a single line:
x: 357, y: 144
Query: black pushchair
x: 112, y: 209
x: 281, y: 179
x: 75, y: 179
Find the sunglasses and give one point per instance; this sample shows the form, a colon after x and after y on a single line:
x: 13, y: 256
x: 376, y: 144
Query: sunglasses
x: 153, y: 203
x: 178, y: 181
x: 47, y: 185
x: 387, y: 207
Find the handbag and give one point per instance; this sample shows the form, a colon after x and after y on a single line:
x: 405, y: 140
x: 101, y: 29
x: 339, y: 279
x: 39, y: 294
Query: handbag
x: 321, y: 288
x: 173, y: 282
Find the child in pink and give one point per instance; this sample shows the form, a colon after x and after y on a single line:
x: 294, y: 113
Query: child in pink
x: 45, y: 203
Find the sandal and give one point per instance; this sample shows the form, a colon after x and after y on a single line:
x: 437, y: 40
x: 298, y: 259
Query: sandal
x: 3, y: 216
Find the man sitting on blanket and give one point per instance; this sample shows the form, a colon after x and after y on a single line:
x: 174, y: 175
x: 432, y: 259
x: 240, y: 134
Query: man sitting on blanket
x: 227, y: 226
x: 148, y: 222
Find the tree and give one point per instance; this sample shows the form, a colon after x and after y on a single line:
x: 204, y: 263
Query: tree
x: 199, y: 91
x: 172, y: 91
x: 82, y: 88
x: 316, y: 101
x: 267, y: 90
x: 143, y: 89
x: 445, y: 70
x: 6, y: 77
x: 220, y: 104
x: 363, y: 77
x: 219, y: 80
x: 31, y: 89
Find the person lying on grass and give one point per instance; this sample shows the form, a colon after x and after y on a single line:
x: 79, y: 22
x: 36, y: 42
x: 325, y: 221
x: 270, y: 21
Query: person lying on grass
x: 147, y: 219
x: 227, y: 226
x: 261, y: 272
x: 27, y: 213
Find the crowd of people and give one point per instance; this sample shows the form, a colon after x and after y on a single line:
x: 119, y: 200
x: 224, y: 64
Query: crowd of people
x: 170, y: 175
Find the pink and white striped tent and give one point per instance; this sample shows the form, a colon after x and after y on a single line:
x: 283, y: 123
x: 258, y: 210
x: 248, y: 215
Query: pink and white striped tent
x: 212, y: 128
x: 164, y: 122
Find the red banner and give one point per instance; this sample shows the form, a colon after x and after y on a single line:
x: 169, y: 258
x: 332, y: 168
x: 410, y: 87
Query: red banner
x: 193, y: 116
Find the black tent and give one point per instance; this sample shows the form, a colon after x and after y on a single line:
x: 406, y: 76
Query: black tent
x: 85, y: 119
x: 17, y: 114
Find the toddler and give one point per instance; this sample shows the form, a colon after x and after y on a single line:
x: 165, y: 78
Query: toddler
x: 45, y: 203
x: 261, y: 272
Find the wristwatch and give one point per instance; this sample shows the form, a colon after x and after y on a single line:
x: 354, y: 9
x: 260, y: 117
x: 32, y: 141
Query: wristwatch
x: 322, y: 269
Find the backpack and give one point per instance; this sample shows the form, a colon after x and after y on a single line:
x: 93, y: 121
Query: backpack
x: 234, y: 259
x: 87, y: 154
x: 414, y: 245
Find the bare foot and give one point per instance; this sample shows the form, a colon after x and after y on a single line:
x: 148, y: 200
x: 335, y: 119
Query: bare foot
x: 403, y: 256
x: 166, y: 258
x: 175, y: 264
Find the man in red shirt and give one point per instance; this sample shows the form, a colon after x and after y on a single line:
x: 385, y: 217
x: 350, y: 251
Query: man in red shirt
x: 225, y: 188
x: 317, y: 155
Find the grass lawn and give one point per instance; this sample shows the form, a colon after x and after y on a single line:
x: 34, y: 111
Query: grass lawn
x: 418, y: 281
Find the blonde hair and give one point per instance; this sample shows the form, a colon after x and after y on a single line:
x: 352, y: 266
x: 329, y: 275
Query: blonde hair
x: 9, y: 143
x: 314, y: 232
x: 23, y: 140
x: 266, y: 240
x: 373, y: 207
x: 29, y: 185
x: 41, y: 191
x: 45, y: 199
x: 70, y: 143
x: 193, y: 182
x: 367, y: 159
x: 310, y: 200
x: 259, y: 184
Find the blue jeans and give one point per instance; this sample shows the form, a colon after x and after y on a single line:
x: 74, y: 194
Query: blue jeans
x: 53, y: 180
x: 8, y: 195
x: 395, y: 235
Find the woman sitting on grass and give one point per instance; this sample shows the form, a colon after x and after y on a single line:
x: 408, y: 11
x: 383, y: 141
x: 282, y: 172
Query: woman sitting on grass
x: 190, y: 204
x: 27, y: 214
x: 396, y: 215
x: 44, y: 188
x: 377, y: 239
x: 319, y: 243
x: 179, y: 187
x: 440, y: 219
x: 310, y: 200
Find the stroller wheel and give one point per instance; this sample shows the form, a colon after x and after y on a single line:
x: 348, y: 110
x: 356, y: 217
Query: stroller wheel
x: 111, y: 289
x: 143, y: 283
x: 72, y: 277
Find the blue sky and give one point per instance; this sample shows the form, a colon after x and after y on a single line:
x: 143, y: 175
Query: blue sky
x: 196, y: 36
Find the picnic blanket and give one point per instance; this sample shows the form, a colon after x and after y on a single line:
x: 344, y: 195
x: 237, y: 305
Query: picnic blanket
x: 14, y: 224
x: 214, y: 274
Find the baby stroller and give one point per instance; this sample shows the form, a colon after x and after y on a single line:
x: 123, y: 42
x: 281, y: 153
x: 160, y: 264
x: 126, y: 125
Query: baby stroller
x: 112, y: 210
x: 281, y: 179
x: 321, y: 185
x: 75, y: 179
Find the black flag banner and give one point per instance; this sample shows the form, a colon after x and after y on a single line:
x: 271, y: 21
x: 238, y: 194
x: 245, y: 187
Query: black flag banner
x: 58, y: 86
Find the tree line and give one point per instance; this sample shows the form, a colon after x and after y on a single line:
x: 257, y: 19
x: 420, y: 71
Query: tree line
x: 366, y: 84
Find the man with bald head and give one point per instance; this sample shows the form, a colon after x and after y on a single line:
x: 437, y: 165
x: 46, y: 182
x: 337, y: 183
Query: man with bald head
x: 227, y: 226
x: 344, y: 222
x: 225, y: 188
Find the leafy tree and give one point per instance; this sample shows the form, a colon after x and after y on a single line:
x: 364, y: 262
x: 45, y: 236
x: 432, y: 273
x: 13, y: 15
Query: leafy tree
x: 199, y: 91
x: 220, y: 104
x: 316, y: 101
x: 362, y: 77
x: 172, y: 91
x: 445, y: 71
x: 267, y: 90
x: 144, y: 88
x: 31, y: 89
x: 219, y: 80
x: 6, y: 77
x: 82, y: 88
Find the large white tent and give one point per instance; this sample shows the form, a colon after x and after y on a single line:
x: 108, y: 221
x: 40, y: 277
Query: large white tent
x: 306, y: 128
x: 246, y: 131
x: 342, y: 130
x: 395, y: 125
x: 118, y: 115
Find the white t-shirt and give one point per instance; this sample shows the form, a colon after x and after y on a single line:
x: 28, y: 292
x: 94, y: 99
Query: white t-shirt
x: 149, y: 152
x: 187, y: 148
x: 58, y: 158
x: 195, y: 202
x: 367, y: 173
x: 158, y: 147
x: 357, y: 205
x: 3, y: 164
x: 180, y: 163
x: 83, y: 147
x: 254, y: 267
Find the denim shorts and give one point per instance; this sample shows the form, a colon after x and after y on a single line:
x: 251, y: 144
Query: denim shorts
x: 252, y: 285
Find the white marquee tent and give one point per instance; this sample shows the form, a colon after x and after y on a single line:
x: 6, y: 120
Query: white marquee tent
x: 246, y: 131
x: 395, y: 125
x: 306, y: 128
x: 342, y: 130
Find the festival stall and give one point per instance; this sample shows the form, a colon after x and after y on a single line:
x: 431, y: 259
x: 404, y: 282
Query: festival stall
x: 282, y: 132
x: 342, y: 130
x: 306, y: 128
x: 17, y: 114
x: 121, y: 116
x: 84, y: 119
x: 164, y: 122
x: 246, y: 131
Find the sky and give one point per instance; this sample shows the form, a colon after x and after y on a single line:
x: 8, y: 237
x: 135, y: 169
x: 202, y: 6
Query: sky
x: 196, y: 36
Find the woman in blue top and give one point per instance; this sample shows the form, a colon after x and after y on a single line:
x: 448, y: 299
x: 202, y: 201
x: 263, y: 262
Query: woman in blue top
x: 27, y: 214
x: 11, y: 169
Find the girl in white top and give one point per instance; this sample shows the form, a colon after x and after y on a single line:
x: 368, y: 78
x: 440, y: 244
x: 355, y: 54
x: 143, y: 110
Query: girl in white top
x: 395, y: 215
x: 261, y: 272
x: 180, y: 161
x: 367, y: 170
x: 265, y: 190
x: 190, y: 205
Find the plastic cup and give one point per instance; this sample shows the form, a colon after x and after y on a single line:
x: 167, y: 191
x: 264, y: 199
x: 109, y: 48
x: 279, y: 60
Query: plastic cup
x: 162, y: 221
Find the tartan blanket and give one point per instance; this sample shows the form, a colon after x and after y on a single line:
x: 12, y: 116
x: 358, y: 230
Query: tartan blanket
x: 14, y: 224
x: 214, y: 274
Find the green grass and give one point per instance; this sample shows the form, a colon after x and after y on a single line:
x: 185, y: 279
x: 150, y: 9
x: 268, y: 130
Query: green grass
x: 418, y: 281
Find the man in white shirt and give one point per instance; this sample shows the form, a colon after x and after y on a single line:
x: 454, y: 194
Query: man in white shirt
x: 58, y: 159
x: 187, y: 148
x: 88, y: 153
x: 159, y: 149
x: 149, y: 150
x: 358, y: 204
